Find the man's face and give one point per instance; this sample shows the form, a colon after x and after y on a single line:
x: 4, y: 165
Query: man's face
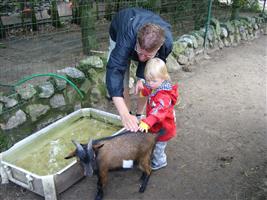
x: 144, y: 55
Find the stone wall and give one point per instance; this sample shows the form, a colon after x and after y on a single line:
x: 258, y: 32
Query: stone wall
x: 31, y: 107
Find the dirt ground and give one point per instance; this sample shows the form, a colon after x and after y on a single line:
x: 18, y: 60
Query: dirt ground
x: 221, y: 150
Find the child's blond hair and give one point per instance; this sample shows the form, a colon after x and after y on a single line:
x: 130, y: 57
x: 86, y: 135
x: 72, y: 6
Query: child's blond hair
x: 156, y: 68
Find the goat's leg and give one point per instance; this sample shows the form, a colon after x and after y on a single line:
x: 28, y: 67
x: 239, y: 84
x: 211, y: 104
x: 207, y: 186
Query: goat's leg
x: 102, y: 180
x: 145, y: 163
x: 99, y: 194
x: 143, y: 176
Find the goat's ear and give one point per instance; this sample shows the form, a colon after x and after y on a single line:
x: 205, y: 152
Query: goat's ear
x: 97, y: 146
x: 71, y: 155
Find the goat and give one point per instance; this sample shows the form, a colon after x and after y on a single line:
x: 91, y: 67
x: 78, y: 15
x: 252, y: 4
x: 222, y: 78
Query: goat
x: 109, y: 153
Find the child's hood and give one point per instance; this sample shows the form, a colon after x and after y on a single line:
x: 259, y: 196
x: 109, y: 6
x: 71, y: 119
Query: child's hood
x: 171, y: 90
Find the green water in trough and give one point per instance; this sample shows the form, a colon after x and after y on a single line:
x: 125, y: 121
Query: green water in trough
x: 45, y: 155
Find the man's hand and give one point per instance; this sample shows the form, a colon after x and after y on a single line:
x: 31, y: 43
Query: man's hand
x: 130, y: 122
x: 139, y: 86
x: 143, y: 127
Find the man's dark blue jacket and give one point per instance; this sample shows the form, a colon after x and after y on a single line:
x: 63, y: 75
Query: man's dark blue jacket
x: 123, y: 30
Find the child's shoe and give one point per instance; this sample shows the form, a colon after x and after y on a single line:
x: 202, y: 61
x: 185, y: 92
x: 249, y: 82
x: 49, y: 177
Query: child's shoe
x: 157, y: 167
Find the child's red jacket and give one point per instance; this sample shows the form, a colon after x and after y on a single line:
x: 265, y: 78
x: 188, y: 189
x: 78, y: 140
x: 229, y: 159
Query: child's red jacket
x: 160, y: 109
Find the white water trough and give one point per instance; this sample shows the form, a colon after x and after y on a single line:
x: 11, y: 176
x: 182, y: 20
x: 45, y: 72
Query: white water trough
x: 50, y: 185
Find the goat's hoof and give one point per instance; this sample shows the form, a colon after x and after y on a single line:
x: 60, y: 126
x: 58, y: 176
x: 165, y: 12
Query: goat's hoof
x: 99, y: 197
x: 142, y: 189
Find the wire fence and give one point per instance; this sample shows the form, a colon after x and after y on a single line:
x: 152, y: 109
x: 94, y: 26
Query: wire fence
x: 41, y: 36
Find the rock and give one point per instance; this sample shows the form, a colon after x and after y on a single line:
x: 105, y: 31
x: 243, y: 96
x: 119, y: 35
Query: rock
x: 73, y: 73
x: 57, y: 101
x: 26, y: 91
x: 229, y: 27
x: 16, y: 120
x: 1, y: 108
x: 199, y: 38
x: 9, y: 102
x: 95, y: 95
x: 183, y: 60
x: 49, y: 121
x: 172, y: 64
x: 91, y: 61
x: 189, y: 53
x: 131, y: 85
x: 225, y: 42
x: 216, y: 25
x: 224, y: 32
x: 190, y: 40
x: 47, y: 90
x: 85, y: 87
x: 60, y: 84
x: 178, y: 48
x: 37, y: 110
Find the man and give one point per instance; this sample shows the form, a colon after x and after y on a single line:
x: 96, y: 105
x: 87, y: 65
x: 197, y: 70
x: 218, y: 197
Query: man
x: 135, y: 34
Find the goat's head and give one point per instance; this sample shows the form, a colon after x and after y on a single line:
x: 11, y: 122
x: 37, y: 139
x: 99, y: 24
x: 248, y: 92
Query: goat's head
x: 86, y: 155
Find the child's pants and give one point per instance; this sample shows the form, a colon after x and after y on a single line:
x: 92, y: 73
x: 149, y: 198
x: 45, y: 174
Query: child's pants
x: 159, y: 157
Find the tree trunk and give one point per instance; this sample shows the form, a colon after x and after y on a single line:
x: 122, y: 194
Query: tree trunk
x: 108, y: 9
x: 2, y: 29
x: 87, y: 26
x: 34, y: 20
x: 76, y: 14
x: 235, y: 9
x: 54, y: 15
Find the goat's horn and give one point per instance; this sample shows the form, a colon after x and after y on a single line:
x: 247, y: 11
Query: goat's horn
x: 89, y: 145
x: 80, y: 150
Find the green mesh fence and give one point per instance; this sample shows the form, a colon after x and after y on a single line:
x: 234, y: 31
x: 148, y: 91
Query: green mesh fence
x: 41, y: 36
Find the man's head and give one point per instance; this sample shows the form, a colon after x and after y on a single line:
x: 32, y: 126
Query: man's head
x: 150, y: 38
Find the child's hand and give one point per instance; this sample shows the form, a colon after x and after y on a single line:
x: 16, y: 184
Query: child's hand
x: 139, y: 86
x: 143, y: 127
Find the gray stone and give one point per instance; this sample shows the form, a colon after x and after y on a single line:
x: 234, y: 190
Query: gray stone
x: 216, y: 25
x: 37, y: 110
x: 92, y: 61
x: 226, y: 42
x: 72, y: 73
x: 26, y: 91
x: 224, y: 32
x: 1, y: 108
x: 228, y: 26
x: 77, y: 106
x: 190, y: 40
x: 57, y: 101
x: 9, y: 102
x: 16, y: 120
x: 85, y: 87
x: 172, y: 64
x: 60, y: 84
x: 199, y: 38
x: 178, y: 48
x: 49, y: 121
x: 95, y: 95
x: 189, y: 53
x: 183, y: 60
x: 47, y: 90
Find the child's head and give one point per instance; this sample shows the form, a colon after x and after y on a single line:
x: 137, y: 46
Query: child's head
x: 156, y: 72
